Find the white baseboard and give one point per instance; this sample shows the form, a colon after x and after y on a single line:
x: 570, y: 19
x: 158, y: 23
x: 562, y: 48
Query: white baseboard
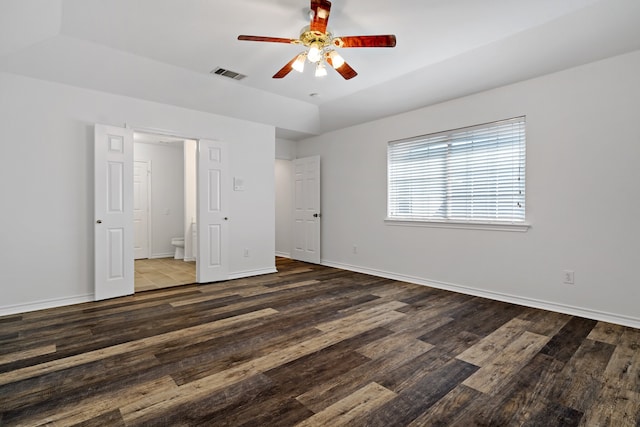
x: 250, y: 273
x: 529, y: 302
x: 44, y: 304
x: 283, y: 254
x: 513, y: 299
x: 165, y: 255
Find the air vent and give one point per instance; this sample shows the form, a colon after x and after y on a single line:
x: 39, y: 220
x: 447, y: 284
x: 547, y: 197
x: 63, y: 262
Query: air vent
x: 228, y: 73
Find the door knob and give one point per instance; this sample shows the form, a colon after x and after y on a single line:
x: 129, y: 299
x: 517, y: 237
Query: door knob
x: 99, y: 221
x: 316, y: 215
x: 226, y: 219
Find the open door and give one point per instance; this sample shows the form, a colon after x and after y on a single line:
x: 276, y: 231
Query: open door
x: 306, y: 209
x: 113, y: 227
x: 141, y: 171
x: 213, y: 220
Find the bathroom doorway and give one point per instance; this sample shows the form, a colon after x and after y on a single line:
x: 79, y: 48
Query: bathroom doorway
x: 164, y: 211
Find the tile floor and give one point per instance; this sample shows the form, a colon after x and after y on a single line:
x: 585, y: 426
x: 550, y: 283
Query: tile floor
x: 163, y: 273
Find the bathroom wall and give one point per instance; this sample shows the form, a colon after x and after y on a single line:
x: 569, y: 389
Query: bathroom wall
x: 167, y: 194
x: 190, y: 205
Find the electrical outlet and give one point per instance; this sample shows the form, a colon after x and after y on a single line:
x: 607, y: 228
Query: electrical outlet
x: 355, y: 249
x: 567, y: 277
x: 246, y: 252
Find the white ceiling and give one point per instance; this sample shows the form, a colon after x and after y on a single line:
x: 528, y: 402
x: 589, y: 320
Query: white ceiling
x: 164, y: 50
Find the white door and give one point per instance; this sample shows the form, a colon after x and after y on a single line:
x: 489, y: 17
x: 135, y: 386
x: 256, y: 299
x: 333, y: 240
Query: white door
x: 213, y: 212
x: 141, y: 171
x: 113, y: 222
x: 306, y: 209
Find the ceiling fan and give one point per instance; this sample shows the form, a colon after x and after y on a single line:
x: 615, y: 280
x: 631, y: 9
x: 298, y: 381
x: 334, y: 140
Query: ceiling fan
x: 321, y: 44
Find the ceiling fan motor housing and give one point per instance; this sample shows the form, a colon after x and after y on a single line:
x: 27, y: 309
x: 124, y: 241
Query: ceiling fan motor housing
x: 308, y: 38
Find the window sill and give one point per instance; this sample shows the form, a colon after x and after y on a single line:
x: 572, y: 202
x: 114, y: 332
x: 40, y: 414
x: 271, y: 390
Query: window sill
x: 492, y: 226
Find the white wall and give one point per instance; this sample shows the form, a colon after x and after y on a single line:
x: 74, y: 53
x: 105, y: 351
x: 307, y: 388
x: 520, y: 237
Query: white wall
x: 167, y: 194
x: 285, y: 152
x: 252, y: 216
x: 583, y: 152
x: 190, y: 196
x: 284, y: 206
x: 285, y: 149
x: 46, y: 180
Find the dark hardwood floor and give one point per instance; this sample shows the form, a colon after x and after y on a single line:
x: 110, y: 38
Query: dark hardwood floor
x: 314, y: 346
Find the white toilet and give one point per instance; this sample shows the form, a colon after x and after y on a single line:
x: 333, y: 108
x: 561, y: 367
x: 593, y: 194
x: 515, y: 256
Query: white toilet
x: 178, y: 243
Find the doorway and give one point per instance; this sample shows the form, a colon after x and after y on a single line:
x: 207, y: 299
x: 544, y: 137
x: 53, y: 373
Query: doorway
x: 306, y: 210
x: 164, y: 211
x: 141, y: 201
x: 159, y: 273
x: 113, y: 210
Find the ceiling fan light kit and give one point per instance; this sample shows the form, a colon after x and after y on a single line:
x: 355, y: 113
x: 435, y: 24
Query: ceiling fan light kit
x: 298, y: 64
x: 321, y: 44
x: 334, y: 59
x: 321, y: 70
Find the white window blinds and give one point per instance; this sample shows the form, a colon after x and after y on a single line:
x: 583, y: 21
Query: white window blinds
x: 474, y: 174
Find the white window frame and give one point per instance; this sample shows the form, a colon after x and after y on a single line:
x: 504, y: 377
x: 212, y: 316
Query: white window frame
x: 446, y: 167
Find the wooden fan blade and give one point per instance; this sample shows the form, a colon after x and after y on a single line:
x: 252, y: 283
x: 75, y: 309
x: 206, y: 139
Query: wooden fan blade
x: 267, y: 39
x: 344, y: 70
x: 321, y: 10
x: 286, y: 69
x: 387, y: 40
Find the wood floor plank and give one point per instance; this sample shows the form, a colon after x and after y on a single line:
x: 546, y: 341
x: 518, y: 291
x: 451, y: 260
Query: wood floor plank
x: 606, y: 332
x: 522, y: 397
x: 495, y: 343
x: 385, y: 311
x: 87, y: 409
x: 111, y: 418
x: 334, y: 333
x: 617, y: 403
x: 346, y: 411
x: 313, y: 345
x: 320, y: 396
x: 578, y: 384
x: 169, y: 298
x: 294, y: 271
x: 211, y: 409
x: 197, y: 364
x: 203, y: 298
x: 557, y: 415
x: 544, y: 322
x: 6, y: 320
x: 447, y: 409
x: 8, y: 338
x: 269, y: 289
x: 197, y: 361
x: 623, y: 370
x: 26, y: 354
x: 52, y: 391
x: 390, y: 344
x: 415, y: 400
x: 475, y: 317
x: 490, y: 378
x: 83, y: 358
x: 614, y: 408
x: 565, y: 343
x: 274, y: 407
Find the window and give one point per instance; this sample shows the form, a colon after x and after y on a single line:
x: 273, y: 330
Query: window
x: 474, y: 174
